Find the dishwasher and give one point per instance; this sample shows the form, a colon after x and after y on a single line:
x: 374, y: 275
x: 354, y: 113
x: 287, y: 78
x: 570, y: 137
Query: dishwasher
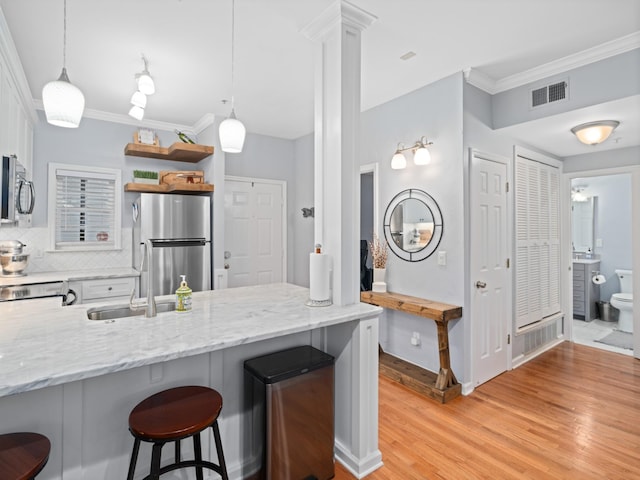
x: 290, y: 396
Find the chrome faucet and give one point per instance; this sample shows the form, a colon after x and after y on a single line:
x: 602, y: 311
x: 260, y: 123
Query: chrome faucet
x: 150, y: 304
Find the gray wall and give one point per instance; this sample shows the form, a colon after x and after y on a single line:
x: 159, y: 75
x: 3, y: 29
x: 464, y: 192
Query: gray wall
x: 620, y: 157
x: 270, y: 158
x: 366, y: 210
x: 99, y: 144
x: 435, y: 111
x: 588, y: 85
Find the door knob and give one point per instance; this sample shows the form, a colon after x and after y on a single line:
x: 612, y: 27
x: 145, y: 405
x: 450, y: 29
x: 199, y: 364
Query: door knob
x: 227, y: 254
x: 480, y: 284
x: 226, y: 266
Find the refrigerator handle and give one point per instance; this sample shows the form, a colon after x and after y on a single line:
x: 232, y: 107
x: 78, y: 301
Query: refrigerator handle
x: 179, y: 242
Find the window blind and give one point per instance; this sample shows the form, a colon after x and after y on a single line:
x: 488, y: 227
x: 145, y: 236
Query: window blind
x: 85, y: 209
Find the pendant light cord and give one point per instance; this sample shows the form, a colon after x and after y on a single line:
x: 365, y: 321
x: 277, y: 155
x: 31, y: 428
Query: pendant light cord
x: 64, y: 38
x: 233, y: 34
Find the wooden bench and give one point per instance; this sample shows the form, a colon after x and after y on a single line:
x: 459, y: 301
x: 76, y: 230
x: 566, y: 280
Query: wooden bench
x: 442, y: 387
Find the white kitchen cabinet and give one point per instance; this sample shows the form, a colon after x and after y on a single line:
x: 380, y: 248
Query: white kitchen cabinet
x: 17, y: 114
x: 99, y: 290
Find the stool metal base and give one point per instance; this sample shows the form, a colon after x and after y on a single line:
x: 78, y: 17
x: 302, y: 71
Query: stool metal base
x: 197, y: 463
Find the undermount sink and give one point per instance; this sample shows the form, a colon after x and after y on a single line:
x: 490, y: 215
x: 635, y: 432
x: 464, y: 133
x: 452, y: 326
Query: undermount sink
x: 121, y: 311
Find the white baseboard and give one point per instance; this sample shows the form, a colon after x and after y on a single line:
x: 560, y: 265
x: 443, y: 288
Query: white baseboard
x: 522, y: 359
x: 467, y: 388
x: 359, y: 468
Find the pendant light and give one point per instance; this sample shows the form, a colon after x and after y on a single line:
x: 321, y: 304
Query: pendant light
x: 232, y: 131
x: 63, y: 102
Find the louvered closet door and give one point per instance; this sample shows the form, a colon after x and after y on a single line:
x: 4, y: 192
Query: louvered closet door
x: 537, y: 266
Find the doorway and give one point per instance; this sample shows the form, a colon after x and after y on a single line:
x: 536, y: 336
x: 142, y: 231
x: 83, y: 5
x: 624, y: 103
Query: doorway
x: 254, y: 231
x: 601, y: 243
x: 369, y: 218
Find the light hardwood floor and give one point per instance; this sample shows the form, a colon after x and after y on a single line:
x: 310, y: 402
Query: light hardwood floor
x: 572, y: 413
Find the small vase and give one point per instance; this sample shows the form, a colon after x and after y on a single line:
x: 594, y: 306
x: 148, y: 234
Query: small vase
x: 379, y: 285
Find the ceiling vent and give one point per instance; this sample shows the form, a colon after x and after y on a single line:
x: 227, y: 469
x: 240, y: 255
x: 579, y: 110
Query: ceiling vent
x: 554, y: 92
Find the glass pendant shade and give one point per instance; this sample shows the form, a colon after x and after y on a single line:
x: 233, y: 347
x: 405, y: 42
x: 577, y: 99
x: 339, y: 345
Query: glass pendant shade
x: 145, y: 83
x: 232, y: 133
x: 595, y: 132
x: 63, y: 102
x: 137, y: 112
x: 422, y: 156
x: 139, y: 99
x: 398, y: 161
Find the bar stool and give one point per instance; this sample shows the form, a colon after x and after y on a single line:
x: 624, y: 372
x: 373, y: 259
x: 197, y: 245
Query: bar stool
x: 23, y: 455
x: 173, y: 415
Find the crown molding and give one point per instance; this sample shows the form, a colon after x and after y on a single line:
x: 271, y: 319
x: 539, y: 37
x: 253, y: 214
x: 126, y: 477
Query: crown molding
x: 562, y: 65
x: 206, y: 120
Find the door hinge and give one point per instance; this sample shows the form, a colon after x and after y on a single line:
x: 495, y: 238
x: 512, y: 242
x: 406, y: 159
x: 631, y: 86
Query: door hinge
x: 508, y: 263
x: 507, y: 187
x: 508, y: 339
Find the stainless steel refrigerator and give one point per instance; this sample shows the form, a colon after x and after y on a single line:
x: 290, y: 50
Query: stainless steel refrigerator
x: 179, y: 227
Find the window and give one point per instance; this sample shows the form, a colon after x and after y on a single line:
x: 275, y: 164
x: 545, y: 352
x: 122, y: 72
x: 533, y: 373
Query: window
x: 84, y: 208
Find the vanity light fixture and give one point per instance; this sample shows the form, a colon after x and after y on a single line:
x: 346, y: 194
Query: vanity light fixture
x: 232, y: 131
x: 63, y: 102
x: 578, y: 195
x: 593, y: 133
x: 421, y: 155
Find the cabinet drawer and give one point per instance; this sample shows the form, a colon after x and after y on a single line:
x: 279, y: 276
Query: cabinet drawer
x: 578, y: 308
x: 578, y: 285
x: 578, y: 296
x: 107, y: 288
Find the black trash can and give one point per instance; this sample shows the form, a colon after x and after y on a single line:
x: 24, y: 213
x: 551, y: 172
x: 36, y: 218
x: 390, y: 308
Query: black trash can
x: 607, y: 312
x: 290, y: 395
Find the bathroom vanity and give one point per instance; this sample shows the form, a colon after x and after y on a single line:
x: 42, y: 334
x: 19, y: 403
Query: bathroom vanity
x: 585, y: 292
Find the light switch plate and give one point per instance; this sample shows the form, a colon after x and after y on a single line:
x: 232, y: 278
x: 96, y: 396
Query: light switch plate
x: 599, y: 242
x: 442, y: 258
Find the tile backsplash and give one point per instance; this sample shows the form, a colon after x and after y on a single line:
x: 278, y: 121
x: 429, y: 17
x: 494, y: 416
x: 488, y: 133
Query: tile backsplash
x: 37, y: 242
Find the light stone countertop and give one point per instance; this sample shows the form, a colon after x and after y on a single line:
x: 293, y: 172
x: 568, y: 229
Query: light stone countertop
x: 70, y: 275
x: 43, y: 343
x: 588, y: 261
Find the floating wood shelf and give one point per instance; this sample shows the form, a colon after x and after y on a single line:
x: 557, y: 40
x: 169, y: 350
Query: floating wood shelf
x: 169, y: 188
x: 179, y: 151
x: 442, y: 386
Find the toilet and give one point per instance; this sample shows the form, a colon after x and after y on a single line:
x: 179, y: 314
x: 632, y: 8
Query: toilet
x: 623, y: 301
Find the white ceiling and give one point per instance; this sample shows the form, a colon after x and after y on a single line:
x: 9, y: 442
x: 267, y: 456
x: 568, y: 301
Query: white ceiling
x: 188, y: 44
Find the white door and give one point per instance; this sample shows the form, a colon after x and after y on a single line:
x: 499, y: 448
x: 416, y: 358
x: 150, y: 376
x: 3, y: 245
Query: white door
x: 253, y: 232
x: 490, y: 297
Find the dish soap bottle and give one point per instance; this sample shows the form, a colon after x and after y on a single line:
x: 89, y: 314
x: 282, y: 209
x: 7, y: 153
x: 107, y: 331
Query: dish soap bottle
x: 183, y: 296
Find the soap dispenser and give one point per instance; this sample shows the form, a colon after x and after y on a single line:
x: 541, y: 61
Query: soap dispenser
x: 183, y: 296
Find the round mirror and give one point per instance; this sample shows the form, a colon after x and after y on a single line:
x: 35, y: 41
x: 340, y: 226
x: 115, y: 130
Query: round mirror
x: 413, y: 225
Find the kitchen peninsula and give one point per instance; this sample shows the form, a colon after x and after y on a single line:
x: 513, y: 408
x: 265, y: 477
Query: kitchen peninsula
x: 76, y: 380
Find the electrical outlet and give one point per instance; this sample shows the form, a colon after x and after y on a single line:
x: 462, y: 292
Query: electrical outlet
x: 599, y: 242
x: 38, y: 253
x: 442, y: 258
x: 415, y: 339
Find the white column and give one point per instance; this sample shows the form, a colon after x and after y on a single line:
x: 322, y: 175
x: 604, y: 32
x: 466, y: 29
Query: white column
x: 337, y: 122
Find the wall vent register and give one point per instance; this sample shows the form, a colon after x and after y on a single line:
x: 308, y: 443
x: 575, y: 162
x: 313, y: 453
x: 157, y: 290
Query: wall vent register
x: 549, y: 93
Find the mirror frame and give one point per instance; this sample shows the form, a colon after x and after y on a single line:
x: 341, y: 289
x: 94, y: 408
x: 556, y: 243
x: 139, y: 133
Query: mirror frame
x: 438, y: 225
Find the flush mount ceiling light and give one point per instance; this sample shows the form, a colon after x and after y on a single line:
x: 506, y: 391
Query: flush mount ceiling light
x: 593, y: 133
x: 232, y: 131
x: 421, y: 155
x: 63, y: 102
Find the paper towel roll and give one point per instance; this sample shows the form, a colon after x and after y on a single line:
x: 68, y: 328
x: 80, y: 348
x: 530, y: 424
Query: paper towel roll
x: 319, y: 271
x: 599, y: 279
